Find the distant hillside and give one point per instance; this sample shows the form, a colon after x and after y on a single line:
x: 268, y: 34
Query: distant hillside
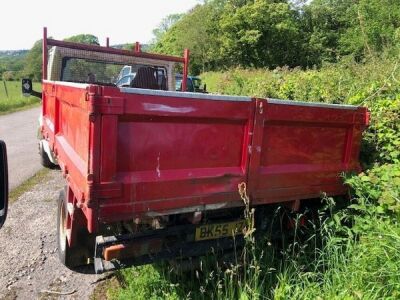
x: 13, y: 53
x: 12, y: 63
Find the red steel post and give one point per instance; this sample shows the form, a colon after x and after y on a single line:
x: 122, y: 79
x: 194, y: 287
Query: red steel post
x: 137, y: 47
x: 44, y: 61
x: 185, y: 69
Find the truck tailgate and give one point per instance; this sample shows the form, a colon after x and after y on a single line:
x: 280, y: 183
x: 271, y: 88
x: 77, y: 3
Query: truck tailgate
x: 301, y: 149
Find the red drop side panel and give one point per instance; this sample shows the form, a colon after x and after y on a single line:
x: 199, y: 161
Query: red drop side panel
x: 300, y: 149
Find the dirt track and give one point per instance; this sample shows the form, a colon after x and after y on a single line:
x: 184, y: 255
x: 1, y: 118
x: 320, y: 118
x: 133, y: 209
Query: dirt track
x: 19, y: 131
x: 29, y: 263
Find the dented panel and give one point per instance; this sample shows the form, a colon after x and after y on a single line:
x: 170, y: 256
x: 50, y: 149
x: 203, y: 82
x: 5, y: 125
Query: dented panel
x: 176, y: 154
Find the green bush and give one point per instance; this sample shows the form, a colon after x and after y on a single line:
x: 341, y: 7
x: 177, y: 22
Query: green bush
x: 382, y: 139
x: 379, y: 185
x: 347, y: 82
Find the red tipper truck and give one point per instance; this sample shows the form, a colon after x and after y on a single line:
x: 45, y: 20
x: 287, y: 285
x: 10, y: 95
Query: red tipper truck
x: 153, y: 174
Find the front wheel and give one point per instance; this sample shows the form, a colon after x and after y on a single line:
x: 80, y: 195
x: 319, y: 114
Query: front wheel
x: 44, y: 158
x: 75, y: 256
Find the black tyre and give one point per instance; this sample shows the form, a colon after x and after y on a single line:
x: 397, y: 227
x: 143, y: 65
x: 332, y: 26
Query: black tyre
x: 79, y: 254
x: 44, y: 159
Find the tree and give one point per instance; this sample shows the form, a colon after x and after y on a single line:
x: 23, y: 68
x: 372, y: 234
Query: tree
x: 84, y: 39
x: 373, y: 26
x: 33, y: 62
x: 336, y: 28
x: 261, y: 33
x: 165, y: 25
x: 323, y: 23
x: 228, y: 33
x: 197, y: 31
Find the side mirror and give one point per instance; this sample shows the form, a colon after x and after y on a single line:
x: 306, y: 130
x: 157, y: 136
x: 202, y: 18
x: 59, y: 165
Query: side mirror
x: 26, y: 87
x: 3, y: 183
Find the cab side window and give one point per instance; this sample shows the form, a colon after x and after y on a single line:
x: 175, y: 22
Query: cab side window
x: 125, y: 71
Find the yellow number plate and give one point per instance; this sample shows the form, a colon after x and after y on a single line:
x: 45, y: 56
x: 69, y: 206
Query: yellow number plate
x: 215, y: 231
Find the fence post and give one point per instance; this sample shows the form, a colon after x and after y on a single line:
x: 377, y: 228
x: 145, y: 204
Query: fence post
x: 5, y: 89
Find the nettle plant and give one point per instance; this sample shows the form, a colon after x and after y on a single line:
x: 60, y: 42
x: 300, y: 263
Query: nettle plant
x: 381, y: 142
x: 380, y: 184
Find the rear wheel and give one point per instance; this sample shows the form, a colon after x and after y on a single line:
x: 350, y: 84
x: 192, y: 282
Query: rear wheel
x: 75, y: 256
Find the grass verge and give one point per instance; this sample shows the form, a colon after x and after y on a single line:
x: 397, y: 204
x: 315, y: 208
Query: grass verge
x: 39, y: 177
x: 24, y: 107
x: 106, y: 289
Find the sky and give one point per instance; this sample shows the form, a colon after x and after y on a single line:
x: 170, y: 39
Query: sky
x: 22, y: 21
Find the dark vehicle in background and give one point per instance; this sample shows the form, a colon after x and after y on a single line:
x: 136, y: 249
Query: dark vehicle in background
x: 3, y: 183
x: 194, y: 84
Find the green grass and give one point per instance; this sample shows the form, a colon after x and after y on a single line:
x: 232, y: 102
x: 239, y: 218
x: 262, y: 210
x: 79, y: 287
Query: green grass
x: 15, y: 100
x: 325, y: 262
x: 27, y: 185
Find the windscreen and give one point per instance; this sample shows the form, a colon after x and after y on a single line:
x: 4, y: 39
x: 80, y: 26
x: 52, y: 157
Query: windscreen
x: 83, y: 70
x: 197, y: 83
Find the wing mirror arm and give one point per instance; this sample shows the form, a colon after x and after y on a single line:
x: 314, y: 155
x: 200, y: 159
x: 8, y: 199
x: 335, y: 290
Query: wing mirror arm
x: 27, y: 89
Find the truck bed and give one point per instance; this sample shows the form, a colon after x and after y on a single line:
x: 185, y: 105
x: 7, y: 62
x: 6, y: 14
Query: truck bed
x: 131, y: 153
